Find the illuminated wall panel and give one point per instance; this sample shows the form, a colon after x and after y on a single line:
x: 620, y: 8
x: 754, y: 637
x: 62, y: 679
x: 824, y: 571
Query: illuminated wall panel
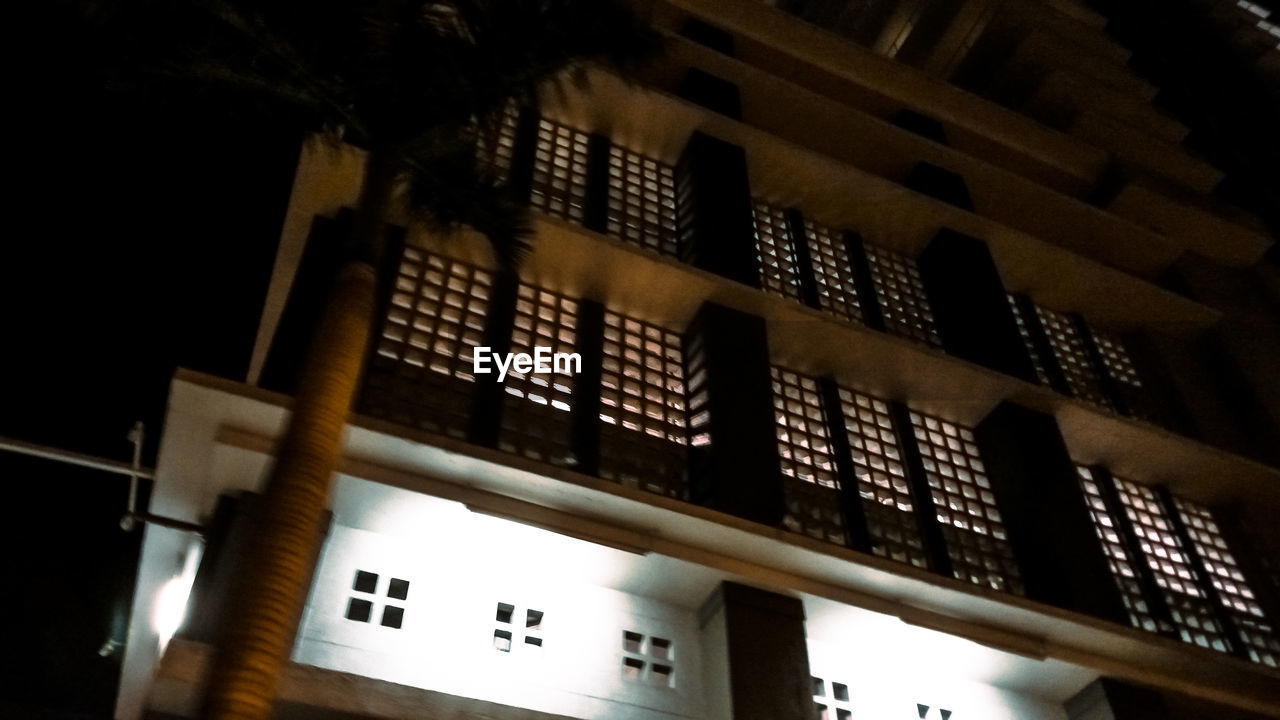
x: 535, y: 415
x: 642, y: 201
x: 808, y: 466
x: 903, y: 301
x: 779, y: 269
x: 560, y: 171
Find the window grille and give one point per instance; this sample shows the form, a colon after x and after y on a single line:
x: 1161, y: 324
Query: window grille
x: 536, y: 410
x: 1073, y: 356
x: 497, y: 150
x: 831, y: 700
x: 1164, y: 554
x: 833, y: 272
x: 808, y: 467
x: 642, y: 201
x: 779, y: 271
x: 1025, y: 332
x: 965, y: 504
x: 1256, y: 632
x: 560, y: 171
x: 903, y: 300
x: 1116, y: 358
x: 1122, y: 566
x: 648, y: 659
x: 699, y: 414
x: 642, y: 413
x: 420, y: 374
x: 882, y: 479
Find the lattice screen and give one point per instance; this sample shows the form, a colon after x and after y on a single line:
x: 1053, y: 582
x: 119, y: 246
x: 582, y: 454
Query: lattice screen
x: 1122, y: 566
x: 971, y: 524
x: 1025, y: 332
x: 560, y: 171
x: 808, y: 466
x: 536, y: 409
x: 496, y: 152
x: 779, y: 273
x: 1072, y: 356
x: 642, y: 201
x: 882, y: 479
x: 903, y: 301
x: 1116, y: 359
x: 642, y: 412
x: 1258, y: 634
x: 1168, y: 561
x: 420, y: 374
x: 832, y: 272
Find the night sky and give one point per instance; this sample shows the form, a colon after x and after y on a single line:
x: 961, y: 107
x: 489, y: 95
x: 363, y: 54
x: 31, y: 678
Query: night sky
x: 140, y: 240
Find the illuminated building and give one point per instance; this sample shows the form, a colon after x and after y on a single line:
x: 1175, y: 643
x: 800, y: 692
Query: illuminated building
x: 887, y: 407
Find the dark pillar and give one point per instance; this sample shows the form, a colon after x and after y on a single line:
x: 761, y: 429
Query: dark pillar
x: 970, y: 306
x: 734, y: 465
x: 713, y: 201
x: 1110, y: 699
x: 920, y: 124
x: 935, y: 543
x: 855, y: 520
x: 589, y: 344
x: 1040, y: 341
x: 756, y: 639
x: 520, y: 175
x: 1160, y: 399
x: 856, y: 250
x: 486, y: 409
x: 804, y: 261
x: 711, y: 92
x: 929, y: 179
x: 595, y: 210
x: 1044, y: 511
x: 709, y: 35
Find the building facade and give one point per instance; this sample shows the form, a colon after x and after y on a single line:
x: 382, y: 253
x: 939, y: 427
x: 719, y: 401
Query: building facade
x: 922, y: 376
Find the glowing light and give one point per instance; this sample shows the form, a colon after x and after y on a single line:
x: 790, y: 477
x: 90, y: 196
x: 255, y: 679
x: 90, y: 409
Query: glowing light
x: 170, y: 609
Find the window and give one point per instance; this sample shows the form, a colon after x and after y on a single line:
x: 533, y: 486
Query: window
x: 1258, y: 635
x: 833, y: 273
x: 903, y: 301
x: 642, y: 414
x: 496, y: 151
x: 1168, y: 561
x: 560, y: 171
x: 642, y: 201
x: 1116, y: 359
x: 779, y: 270
x: 965, y: 504
x: 420, y: 374
x: 1122, y: 566
x: 535, y: 415
x: 808, y: 466
x: 1025, y: 332
x: 361, y: 606
x: 648, y: 659
x: 514, y: 629
x: 831, y: 700
x: 882, y: 479
x: 1073, y: 356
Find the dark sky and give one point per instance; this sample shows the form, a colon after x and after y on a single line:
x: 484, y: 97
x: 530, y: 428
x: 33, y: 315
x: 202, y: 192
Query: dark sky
x: 140, y: 240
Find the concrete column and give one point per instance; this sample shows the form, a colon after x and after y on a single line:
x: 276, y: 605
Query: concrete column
x: 713, y: 220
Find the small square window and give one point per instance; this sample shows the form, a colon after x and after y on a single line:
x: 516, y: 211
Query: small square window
x: 820, y: 712
x: 533, y: 619
x: 661, y: 675
x: 504, y: 613
x: 631, y: 641
x: 842, y: 714
x: 399, y: 589
x: 632, y: 669
x: 840, y: 691
x: 392, y: 616
x: 359, y: 610
x: 660, y: 648
x: 502, y: 640
x: 531, y: 640
x: 819, y: 688
x: 366, y: 582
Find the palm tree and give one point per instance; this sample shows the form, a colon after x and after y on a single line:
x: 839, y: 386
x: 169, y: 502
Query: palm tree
x: 416, y: 84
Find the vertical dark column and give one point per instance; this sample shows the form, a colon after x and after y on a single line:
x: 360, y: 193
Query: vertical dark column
x: 1160, y: 398
x: 589, y: 345
x: 929, y: 179
x: 1110, y: 387
x: 804, y: 261
x: 1157, y: 605
x: 935, y: 544
x: 855, y: 520
x: 1040, y: 341
x: 755, y: 640
x: 520, y: 175
x: 595, y: 211
x: 970, y: 305
x: 868, y: 300
x: 1110, y: 698
x: 1204, y: 580
x: 713, y: 209
x: 737, y: 470
x: 711, y: 92
x: 486, y: 409
x: 1045, y: 513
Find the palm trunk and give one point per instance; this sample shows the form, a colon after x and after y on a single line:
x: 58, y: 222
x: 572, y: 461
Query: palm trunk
x: 258, y: 637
